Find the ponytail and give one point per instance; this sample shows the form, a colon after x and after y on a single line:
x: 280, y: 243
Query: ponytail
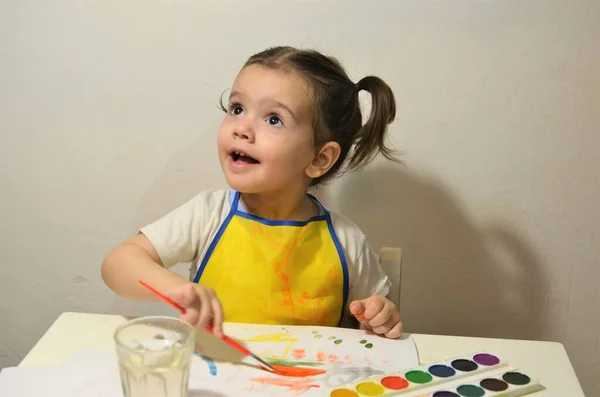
x: 369, y: 139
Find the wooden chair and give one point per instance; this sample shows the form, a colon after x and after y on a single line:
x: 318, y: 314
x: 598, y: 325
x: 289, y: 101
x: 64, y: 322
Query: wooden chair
x: 390, y: 259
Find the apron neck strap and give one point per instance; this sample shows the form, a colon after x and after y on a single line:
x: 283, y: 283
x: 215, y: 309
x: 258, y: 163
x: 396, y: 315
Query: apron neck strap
x: 236, y: 200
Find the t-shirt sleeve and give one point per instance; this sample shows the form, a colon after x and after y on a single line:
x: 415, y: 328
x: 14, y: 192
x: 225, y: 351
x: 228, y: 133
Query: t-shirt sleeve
x: 180, y: 235
x: 370, y: 278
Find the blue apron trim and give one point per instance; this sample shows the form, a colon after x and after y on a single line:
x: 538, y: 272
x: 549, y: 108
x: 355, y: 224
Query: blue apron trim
x: 341, y: 254
x: 217, y: 237
x: 340, y: 251
x: 270, y: 222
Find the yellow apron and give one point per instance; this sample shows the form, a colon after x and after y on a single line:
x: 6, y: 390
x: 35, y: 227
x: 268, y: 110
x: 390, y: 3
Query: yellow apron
x: 277, y: 272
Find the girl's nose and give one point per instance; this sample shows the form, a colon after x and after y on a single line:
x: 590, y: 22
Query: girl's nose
x: 244, y: 130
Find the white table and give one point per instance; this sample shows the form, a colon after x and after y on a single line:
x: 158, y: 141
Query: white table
x: 547, y: 361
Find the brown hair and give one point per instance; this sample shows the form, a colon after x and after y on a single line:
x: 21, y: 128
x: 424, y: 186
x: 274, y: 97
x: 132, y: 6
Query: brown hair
x: 337, y: 116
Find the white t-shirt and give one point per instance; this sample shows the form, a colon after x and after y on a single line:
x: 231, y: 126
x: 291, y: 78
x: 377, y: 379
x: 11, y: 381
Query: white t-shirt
x: 184, y: 235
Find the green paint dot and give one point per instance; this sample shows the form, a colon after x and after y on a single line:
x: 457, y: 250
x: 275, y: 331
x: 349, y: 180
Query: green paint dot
x: 369, y: 345
x: 315, y: 332
x: 337, y: 342
x: 332, y: 337
x: 318, y: 336
x: 362, y: 342
x: 418, y: 377
x: 470, y: 391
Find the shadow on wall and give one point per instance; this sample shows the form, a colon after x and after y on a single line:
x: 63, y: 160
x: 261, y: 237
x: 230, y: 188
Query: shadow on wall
x: 458, y: 278
x: 183, y: 176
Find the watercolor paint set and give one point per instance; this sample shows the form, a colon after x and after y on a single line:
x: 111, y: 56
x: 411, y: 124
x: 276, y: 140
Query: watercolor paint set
x: 488, y: 376
x: 511, y: 383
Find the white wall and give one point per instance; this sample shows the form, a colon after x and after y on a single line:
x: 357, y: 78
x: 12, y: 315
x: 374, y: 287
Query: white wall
x: 108, y: 119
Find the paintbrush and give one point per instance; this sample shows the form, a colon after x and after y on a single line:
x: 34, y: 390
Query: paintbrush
x: 231, y: 342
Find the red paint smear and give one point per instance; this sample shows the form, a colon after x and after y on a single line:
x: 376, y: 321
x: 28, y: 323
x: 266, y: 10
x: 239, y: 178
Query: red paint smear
x: 296, y: 371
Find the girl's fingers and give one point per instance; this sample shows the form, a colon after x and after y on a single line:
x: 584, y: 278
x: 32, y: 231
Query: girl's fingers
x: 205, y: 307
x: 387, y: 326
x: 201, y: 304
x: 217, y: 311
x: 183, y: 295
x: 373, y: 306
x: 386, y: 313
x: 395, y: 332
x: 357, y: 308
x: 191, y: 316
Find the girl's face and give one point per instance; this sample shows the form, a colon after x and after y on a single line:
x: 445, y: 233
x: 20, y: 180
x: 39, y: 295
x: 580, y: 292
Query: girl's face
x: 265, y: 142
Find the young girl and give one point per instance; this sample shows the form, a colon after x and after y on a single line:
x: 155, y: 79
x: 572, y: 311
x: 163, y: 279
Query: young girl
x: 266, y: 251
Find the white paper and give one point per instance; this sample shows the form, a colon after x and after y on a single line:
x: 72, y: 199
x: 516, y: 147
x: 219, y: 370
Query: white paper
x: 343, y: 355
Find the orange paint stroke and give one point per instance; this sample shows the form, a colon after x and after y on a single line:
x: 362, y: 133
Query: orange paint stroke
x: 281, y: 269
x: 333, y: 358
x: 320, y: 356
x: 298, y: 372
x: 299, y: 353
x: 300, y: 385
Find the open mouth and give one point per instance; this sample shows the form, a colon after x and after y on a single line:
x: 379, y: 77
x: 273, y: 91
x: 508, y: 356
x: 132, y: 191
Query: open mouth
x: 239, y: 157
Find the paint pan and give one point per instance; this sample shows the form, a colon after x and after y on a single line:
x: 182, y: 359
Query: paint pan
x: 511, y: 383
x: 420, y: 377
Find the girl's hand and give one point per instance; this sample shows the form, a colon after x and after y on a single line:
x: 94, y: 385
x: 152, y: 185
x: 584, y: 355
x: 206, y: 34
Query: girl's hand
x: 378, y: 314
x: 201, y: 304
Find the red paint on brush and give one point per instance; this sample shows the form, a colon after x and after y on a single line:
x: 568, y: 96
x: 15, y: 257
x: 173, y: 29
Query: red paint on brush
x: 165, y: 298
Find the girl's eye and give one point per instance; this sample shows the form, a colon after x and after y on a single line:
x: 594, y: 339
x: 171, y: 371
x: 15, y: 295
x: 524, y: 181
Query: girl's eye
x: 236, y: 110
x: 275, y: 121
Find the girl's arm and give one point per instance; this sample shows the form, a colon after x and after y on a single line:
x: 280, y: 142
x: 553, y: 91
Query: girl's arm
x: 136, y: 259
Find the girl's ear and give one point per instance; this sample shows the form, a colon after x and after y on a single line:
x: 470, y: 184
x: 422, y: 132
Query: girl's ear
x: 324, y: 160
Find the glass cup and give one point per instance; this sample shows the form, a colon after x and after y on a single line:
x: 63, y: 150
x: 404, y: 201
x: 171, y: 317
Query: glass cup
x: 155, y: 356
